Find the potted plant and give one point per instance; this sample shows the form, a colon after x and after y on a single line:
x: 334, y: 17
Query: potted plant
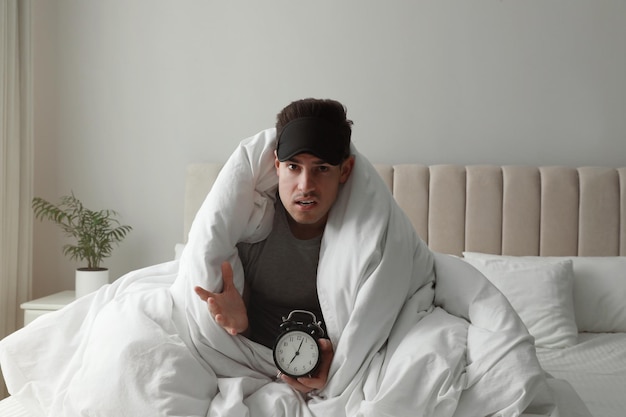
x: 94, y: 232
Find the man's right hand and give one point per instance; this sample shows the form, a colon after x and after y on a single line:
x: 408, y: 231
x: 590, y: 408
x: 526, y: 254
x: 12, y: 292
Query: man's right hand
x: 318, y: 381
x: 228, y: 307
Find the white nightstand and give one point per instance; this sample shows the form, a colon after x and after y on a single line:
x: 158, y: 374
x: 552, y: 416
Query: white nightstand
x: 39, y: 307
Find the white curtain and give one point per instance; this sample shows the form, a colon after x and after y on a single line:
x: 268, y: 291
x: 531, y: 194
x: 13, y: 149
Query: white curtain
x: 16, y: 163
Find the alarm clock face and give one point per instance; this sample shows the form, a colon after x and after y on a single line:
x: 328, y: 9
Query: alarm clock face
x: 296, y: 353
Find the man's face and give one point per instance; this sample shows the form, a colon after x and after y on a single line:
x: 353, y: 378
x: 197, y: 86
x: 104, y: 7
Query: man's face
x: 308, y: 187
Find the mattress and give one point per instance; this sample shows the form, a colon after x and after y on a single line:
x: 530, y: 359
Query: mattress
x: 596, y: 368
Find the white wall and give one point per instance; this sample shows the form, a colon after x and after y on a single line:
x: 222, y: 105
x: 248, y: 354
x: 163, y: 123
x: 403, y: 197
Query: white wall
x: 127, y: 92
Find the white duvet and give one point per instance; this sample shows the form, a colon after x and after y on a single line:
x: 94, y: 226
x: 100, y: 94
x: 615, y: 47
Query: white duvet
x: 415, y: 333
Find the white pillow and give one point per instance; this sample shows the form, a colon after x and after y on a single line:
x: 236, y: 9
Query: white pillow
x: 540, y: 293
x: 599, y: 289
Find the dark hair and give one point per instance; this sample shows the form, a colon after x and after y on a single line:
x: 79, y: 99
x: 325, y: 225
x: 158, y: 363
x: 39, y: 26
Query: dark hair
x: 327, y: 109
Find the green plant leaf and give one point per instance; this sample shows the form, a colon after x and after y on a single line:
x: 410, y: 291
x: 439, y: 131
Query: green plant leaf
x: 95, y: 232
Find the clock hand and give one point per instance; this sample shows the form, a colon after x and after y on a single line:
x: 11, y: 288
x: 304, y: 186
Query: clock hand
x: 297, y: 352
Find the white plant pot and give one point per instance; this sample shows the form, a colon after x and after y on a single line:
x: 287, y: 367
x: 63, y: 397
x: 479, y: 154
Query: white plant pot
x: 88, y: 281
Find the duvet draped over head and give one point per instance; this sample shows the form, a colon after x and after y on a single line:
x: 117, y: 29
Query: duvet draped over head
x: 414, y: 332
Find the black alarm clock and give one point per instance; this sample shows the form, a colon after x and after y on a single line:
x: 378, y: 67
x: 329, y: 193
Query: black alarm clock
x: 296, y: 349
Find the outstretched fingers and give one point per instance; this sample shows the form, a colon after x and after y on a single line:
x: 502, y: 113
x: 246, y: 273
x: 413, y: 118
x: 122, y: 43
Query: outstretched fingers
x: 227, y: 307
x: 202, y: 293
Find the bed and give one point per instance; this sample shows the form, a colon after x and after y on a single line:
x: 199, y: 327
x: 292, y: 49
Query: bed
x: 553, y: 226
x: 528, y: 214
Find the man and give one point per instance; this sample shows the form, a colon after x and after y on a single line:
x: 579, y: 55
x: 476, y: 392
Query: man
x: 312, y: 160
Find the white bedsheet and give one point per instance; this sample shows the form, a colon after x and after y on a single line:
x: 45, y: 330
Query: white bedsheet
x: 146, y: 345
x: 596, y: 368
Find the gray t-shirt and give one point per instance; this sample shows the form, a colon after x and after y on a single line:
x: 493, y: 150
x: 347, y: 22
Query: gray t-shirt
x: 281, y: 275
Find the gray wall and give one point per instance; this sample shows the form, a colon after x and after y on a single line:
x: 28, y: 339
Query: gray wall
x: 127, y: 92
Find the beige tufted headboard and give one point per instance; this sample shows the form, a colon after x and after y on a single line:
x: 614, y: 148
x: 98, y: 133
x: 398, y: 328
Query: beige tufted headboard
x: 512, y: 210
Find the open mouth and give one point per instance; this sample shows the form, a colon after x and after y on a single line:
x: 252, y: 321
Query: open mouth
x: 305, y: 203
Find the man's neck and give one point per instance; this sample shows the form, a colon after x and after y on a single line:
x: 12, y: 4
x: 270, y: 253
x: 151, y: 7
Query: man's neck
x: 305, y: 231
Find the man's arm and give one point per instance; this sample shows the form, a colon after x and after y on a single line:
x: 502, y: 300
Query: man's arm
x: 228, y: 307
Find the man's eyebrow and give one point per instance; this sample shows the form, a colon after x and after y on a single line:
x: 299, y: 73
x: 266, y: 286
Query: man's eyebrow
x: 295, y: 160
